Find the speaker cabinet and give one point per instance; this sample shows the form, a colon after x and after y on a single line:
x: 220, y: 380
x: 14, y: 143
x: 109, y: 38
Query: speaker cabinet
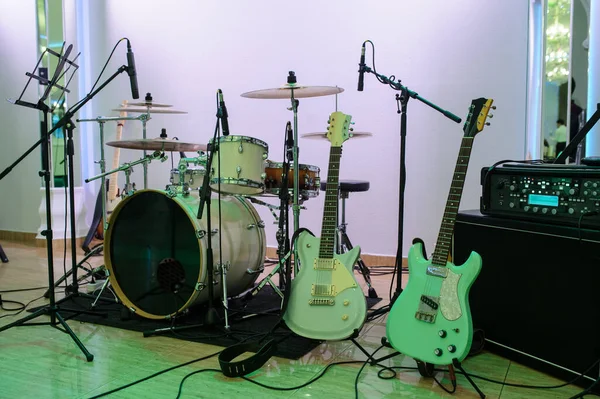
x: 538, y: 293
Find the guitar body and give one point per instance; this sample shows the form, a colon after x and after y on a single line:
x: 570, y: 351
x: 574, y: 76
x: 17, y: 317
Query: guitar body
x: 325, y: 317
x: 418, y: 336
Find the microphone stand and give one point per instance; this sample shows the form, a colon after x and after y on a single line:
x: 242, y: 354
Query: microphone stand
x: 53, y: 309
x: 402, y: 99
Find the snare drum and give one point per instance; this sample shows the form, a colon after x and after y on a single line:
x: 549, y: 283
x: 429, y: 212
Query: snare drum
x: 242, y: 165
x: 155, y: 250
x: 309, y: 181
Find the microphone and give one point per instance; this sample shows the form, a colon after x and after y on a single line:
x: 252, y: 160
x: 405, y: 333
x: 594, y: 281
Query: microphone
x: 224, y: 115
x: 290, y: 141
x: 361, y: 69
x: 132, y: 73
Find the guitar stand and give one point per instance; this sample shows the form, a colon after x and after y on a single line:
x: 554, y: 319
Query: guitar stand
x: 425, y: 369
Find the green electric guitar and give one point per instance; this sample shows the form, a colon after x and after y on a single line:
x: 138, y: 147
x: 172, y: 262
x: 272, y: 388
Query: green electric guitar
x: 325, y: 301
x: 431, y: 320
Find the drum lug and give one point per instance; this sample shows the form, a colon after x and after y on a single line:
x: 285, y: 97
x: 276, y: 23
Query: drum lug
x: 215, y: 231
x: 171, y: 193
x: 199, y: 286
x: 240, y: 148
x: 263, y: 176
x: 238, y: 170
x: 200, y: 234
x: 257, y: 271
x: 260, y: 224
x: 265, y: 155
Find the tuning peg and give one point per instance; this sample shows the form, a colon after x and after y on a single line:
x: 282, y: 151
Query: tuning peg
x: 351, y: 129
x: 490, y: 115
x: 493, y: 107
x: 487, y: 123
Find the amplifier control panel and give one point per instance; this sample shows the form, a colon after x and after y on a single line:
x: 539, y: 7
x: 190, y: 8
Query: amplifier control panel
x: 543, y: 195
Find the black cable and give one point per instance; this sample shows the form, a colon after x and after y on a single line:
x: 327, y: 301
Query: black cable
x: 154, y: 375
x: 22, y: 309
x: 362, y: 368
x: 3, y: 301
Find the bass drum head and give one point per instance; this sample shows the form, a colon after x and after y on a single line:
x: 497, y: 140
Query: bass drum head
x: 153, y: 254
x: 155, y: 251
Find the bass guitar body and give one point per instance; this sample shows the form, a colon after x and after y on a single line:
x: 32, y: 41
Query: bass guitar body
x: 431, y: 320
x: 326, y: 302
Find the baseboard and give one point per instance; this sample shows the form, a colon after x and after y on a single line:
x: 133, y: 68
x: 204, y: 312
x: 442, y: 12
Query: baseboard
x: 31, y: 240
x: 370, y: 260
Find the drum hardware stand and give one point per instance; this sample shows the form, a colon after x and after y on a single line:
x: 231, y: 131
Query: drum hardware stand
x: 402, y: 101
x: 3, y: 256
x: 344, y: 245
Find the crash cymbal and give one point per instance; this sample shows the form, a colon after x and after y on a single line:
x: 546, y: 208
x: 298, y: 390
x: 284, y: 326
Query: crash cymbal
x: 149, y: 110
x: 323, y: 135
x: 300, y: 91
x: 150, y: 104
x: 157, y: 145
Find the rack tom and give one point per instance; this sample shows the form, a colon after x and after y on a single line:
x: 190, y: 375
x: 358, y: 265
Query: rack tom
x: 308, y: 175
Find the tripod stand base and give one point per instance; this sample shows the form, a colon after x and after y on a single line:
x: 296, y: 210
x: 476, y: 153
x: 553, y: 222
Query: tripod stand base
x: 54, y: 314
x: 3, y: 256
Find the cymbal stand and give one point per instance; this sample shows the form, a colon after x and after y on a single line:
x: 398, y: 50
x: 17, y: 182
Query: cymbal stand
x: 295, y: 153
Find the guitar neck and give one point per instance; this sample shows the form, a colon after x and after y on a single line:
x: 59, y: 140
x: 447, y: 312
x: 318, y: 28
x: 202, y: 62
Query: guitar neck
x: 442, y: 247
x: 330, y: 212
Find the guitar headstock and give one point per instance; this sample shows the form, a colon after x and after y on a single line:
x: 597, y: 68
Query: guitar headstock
x: 338, y: 129
x: 478, y: 115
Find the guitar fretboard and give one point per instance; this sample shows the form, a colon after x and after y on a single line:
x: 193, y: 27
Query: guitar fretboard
x: 329, y: 225
x: 442, y: 246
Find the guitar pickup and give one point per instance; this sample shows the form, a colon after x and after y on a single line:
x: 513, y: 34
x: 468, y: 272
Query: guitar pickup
x: 325, y: 264
x: 426, y: 317
x: 437, y: 271
x: 430, y: 301
x: 323, y: 290
x: 321, y: 302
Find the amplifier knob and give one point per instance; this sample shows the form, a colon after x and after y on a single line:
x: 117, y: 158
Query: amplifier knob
x: 594, y: 193
x: 513, y: 187
x: 595, y: 185
x: 586, y: 192
x: 511, y: 204
x: 572, y: 191
x: 526, y: 208
x: 544, y: 210
x: 535, y: 208
x: 586, y: 184
x: 571, y: 211
x: 554, y: 211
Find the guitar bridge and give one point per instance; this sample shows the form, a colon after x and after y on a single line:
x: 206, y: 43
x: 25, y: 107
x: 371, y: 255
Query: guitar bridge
x: 321, y: 302
x: 323, y: 290
x: 426, y: 317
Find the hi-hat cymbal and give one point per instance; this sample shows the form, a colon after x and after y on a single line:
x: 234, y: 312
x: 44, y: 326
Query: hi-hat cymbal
x: 284, y: 92
x: 157, y: 145
x: 323, y: 135
x: 150, y: 104
x: 149, y: 110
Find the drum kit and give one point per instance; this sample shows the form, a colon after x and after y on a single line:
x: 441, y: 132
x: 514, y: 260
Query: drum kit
x: 155, y: 247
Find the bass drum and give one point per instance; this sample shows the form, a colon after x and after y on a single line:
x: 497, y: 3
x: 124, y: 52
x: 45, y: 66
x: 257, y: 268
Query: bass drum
x: 155, y: 251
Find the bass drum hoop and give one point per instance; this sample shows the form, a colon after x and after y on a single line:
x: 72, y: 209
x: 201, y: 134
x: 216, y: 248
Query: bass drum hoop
x: 115, y: 283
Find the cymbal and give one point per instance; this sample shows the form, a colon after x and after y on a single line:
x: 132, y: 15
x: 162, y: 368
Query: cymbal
x: 149, y: 110
x: 150, y: 104
x: 284, y: 92
x: 157, y: 145
x: 323, y: 135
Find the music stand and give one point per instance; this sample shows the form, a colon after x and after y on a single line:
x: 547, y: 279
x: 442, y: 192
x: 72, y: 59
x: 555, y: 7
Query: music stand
x: 52, y: 309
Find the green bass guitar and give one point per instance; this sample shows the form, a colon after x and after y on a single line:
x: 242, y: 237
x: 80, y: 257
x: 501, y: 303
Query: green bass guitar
x: 431, y: 321
x: 325, y: 301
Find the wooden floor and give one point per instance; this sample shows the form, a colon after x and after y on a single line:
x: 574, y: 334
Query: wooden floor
x: 42, y: 362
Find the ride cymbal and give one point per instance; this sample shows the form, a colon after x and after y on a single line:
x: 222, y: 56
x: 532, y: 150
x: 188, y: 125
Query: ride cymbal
x: 149, y: 110
x: 157, y: 145
x: 150, y: 104
x: 323, y: 135
x: 285, y: 92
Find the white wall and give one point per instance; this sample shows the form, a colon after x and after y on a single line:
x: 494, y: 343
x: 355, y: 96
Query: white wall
x: 19, y: 191
x: 449, y: 52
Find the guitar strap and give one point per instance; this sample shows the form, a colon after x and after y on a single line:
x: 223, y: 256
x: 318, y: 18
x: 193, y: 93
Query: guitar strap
x: 262, y: 353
